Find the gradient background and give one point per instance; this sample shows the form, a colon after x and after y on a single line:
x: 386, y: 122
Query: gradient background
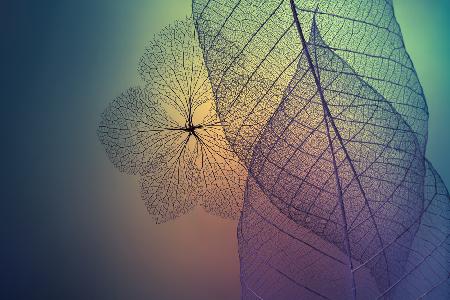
x: 73, y: 227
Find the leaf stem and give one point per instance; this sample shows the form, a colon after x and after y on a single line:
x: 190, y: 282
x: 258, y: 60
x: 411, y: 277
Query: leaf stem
x: 327, y: 112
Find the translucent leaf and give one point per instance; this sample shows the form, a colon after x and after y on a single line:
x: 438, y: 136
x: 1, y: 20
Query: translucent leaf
x: 245, y: 40
x: 337, y: 164
x: 339, y: 160
x: 281, y: 260
x: 168, y: 132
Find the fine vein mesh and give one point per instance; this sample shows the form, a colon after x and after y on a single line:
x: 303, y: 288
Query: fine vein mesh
x: 340, y: 161
x: 168, y: 132
x: 428, y: 267
x: 281, y: 260
x: 265, y: 43
x: 339, y: 203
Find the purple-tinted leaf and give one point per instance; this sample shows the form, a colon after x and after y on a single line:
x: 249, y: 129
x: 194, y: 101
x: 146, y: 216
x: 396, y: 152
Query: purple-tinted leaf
x: 428, y: 268
x: 339, y: 181
x: 281, y: 260
x: 339, y: 160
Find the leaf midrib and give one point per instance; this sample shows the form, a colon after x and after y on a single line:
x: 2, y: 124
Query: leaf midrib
x: 328, y: 115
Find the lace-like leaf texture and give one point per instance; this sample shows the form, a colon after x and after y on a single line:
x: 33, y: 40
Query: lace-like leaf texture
x: 168, y: 132
x: 340, y: 191
x: 282, y: 260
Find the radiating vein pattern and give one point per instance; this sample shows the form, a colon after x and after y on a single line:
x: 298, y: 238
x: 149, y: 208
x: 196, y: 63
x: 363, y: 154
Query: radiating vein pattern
x: 330, y: 119
x: 168, y: 132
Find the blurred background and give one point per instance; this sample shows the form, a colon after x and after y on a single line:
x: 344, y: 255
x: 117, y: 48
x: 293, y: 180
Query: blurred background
x: 72, y: 226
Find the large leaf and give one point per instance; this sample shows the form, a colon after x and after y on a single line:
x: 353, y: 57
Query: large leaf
x: 281, y: 260
x: 244, y: 41
x: 339, y: 154
x: 339, y: 160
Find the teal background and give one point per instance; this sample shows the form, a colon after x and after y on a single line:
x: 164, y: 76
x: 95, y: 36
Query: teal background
x: 73, y: 227
x: 426, y: 30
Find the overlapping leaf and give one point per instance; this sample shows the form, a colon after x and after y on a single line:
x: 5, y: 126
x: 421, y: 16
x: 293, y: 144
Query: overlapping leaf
x: 337, y: 162
x: 281, y: 260
x: 265, y: 44
x: 427, y: 270
x: 332, y: 130
x: 170, y: 135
